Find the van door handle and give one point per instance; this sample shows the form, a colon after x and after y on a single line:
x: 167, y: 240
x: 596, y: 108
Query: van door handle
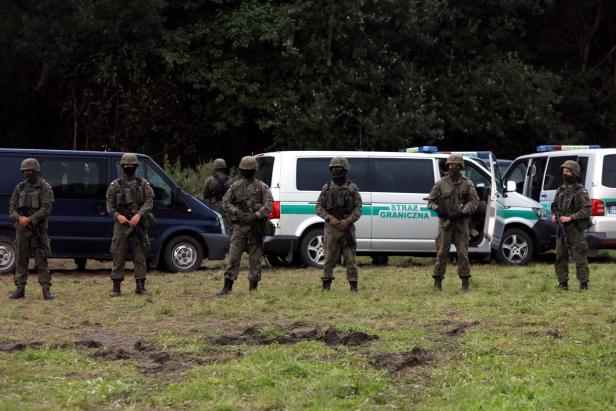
x: 100, y: 209
x: 426, y: 198
x: 544, y: 195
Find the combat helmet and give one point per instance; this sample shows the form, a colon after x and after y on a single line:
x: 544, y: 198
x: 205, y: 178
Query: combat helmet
x: 339, y: 162
x: 30, y: 164
x: 219, y: 163
x: 129, y: 159
x: 455, y: 159
x: 573, y: 166
x: 248, y: 163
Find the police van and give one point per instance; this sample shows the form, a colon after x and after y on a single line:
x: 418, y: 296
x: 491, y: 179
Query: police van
x: 395, y: 217
x: 186, y: 232
x: 538, y: 175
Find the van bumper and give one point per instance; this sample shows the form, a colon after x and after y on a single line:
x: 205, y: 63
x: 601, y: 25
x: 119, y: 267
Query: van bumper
x: 545, y: 234
x: 217, y: 245
x: 600, y: 241
x: 283, y: 245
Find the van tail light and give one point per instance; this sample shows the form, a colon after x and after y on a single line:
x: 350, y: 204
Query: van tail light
x: 598, y: 207
x: 276, y: 211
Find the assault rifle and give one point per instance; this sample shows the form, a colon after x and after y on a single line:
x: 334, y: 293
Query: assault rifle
x: 138, y: 230
x: 36, y: 234
x: 561, y: 231
x: 457, y: 223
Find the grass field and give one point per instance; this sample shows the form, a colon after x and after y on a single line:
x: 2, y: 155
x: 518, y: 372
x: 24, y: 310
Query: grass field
x: 513, y: 342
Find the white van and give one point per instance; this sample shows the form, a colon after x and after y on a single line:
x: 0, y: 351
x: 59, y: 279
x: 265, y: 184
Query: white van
x: 395, y: 217
x: 538, y: 175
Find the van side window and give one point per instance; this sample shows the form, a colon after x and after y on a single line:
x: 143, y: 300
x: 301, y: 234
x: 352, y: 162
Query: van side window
x: 313, y: 173
x: 266, y: 167
x: 162, y: 190
x: 553, y: 174
x: 10, y: 175
x: 75, y: 178
x: 477, y: 177
x: 400, y: 175
x: 608, y: 177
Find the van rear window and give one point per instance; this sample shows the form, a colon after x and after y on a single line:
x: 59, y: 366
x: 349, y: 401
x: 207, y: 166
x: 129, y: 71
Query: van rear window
x: 608, y: 178
x: 313, y: 173
x: 266, y: 167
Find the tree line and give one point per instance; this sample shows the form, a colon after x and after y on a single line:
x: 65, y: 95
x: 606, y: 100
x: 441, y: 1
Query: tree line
x: 198, y: 79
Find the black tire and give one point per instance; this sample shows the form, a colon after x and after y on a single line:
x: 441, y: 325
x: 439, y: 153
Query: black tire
x: 516, y: 247
x: 276, y: 260
x: 380, y: 260
x: 183, y: 254
x: 81, y: 263
x: 311, y: 249
x: 7, y: 255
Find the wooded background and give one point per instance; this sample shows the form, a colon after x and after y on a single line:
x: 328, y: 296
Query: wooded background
x: 198, y: 79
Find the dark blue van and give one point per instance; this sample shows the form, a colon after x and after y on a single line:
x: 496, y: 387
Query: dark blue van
x: 186, y: 230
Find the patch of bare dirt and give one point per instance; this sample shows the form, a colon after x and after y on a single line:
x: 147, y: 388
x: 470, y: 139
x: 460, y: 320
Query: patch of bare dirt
x: 18, y: 346
x: 398, y: 361
x: 294, y: 334
x: 455, y: 329
x: 556, y: 334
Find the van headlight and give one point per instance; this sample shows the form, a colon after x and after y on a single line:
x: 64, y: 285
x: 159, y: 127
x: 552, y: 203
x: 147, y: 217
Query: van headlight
x: 539, y: 212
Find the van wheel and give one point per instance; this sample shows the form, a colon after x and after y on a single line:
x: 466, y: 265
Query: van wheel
x: 516, y: 247
x: 81, y: 263
x: 182, y: 254
x: 312, y: 248
x: 7, y: 255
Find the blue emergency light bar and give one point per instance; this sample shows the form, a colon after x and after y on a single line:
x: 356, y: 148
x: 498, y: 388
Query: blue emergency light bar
x: 543, y: 149
x: 476, y: 154
x: 420, y: 149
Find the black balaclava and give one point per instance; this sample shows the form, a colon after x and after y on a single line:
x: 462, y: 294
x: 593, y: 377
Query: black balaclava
x: 569, y: 179
x: 455, y: 172
x: 338, y: 175
x: 31, y: 177
x: 129, y: 171
x: 247, y: 174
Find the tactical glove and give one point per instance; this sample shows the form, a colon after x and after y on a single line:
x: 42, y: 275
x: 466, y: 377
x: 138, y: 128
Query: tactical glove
x: 334, y: 221
x: 442, y: 213
x: 344, y: 224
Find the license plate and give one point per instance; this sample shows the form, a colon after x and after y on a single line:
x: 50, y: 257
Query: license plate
x: 611, y: 209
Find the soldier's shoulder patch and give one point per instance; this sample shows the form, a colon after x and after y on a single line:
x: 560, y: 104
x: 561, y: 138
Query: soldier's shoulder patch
x: 46, y: 185
x: 353, y: 186
x: 325, y: 187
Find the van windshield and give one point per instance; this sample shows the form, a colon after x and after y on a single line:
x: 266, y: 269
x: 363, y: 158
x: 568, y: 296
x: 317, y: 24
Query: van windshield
x: 266, y: 167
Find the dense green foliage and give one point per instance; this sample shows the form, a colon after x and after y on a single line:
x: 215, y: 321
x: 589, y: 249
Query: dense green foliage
x: 198, y: 79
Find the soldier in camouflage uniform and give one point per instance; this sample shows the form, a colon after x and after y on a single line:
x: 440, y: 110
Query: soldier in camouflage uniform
x: 129, y: 202
x: 248, y: 202
x: 217, y: 185
x: 339, y: 204
x: 454, y: 199
x: 30, y: 206
x: 574, y: 206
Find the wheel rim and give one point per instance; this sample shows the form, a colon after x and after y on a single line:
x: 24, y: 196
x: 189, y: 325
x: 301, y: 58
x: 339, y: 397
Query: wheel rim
x: 515, y: 249
x: 7, y: 257
x: 316, y: 250
x: 184, y: 255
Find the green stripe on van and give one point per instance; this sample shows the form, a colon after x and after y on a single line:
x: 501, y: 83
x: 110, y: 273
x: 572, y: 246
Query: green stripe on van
x: 310, y: 209
x: 524, y: 214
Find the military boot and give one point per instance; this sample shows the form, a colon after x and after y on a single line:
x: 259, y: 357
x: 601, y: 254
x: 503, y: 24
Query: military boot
x: 327, y: 284
x: 438, y: 283
x: 583, y: 285
x: 466, y: 287
x: 253, y: 286
x: 20, y: 292
x: 47, y: 294
x: 226, y: 289
x: 353, y: 285
x: 116, y: 290
x: 140, y: 287
x: 563, y: 285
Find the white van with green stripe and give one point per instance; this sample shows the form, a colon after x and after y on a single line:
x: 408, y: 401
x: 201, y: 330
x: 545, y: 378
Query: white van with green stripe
x: 395, y: 217
x: 538, y: 175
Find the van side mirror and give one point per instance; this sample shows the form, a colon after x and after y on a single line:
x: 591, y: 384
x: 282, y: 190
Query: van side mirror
x: 177, y: 196
x: 511, y: 186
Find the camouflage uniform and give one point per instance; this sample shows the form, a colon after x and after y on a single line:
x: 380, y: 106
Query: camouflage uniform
x: 339, y: 202
x: 216, y: 185
x: 34, y: 199
x: 572, y: 200
x: 128, y: 196
x: 247, y: 197
x: 457, y: 195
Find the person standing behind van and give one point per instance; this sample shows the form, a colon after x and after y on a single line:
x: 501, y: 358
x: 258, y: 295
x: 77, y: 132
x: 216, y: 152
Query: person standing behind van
x: 129, y: 201
x: 248, y: 202
x: 574, y: 207
x: 30, y: 206
x: 339, y: 204
x: 217, y: 184
x: 454, y: 199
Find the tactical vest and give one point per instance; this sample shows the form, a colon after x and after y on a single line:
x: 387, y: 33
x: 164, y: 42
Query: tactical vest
x: 220, y: 189
x: 573, y: 205
x: 339, y: 200
x: 130, y: 199
x: 29, y: 198
x: 455, y: 195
